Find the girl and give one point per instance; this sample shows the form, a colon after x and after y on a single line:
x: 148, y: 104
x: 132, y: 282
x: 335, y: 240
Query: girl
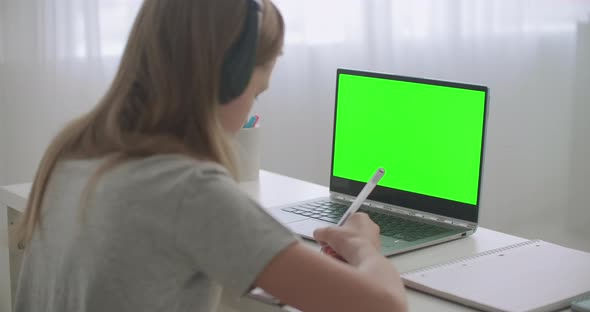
x: 134, y: 206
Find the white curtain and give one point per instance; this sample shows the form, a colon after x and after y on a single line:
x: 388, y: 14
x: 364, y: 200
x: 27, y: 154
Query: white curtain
x: 58, y: 56
x: 56, y: 59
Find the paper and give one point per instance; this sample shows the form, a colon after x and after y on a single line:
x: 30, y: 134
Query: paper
x: 531, y: 276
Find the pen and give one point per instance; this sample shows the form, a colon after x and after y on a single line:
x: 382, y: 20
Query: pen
x: 356, y: 204
x: 358, y: 201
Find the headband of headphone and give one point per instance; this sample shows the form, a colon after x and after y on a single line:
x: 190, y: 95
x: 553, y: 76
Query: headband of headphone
x: 240, y: 59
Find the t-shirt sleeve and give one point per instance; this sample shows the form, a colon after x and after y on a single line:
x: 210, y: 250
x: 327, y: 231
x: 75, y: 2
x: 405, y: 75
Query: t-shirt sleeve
x: 229, y: 236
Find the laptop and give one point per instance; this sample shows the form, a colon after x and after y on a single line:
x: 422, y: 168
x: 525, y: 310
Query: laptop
x: 427, y: 134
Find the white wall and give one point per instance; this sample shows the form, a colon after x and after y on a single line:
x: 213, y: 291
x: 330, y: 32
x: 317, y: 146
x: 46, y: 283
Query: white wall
x: 3, y: 143
x: 2, y: 99
x: 579, y: 184
x: 531, y: 55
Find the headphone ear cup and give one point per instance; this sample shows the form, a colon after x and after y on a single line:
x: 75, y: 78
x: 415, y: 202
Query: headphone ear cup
x: 239, y: 61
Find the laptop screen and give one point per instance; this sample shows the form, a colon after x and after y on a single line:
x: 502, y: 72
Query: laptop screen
x: 427, y: 135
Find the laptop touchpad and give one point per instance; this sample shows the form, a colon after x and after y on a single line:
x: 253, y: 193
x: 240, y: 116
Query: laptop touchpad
x: 286, y: 217
x: 306, y: 228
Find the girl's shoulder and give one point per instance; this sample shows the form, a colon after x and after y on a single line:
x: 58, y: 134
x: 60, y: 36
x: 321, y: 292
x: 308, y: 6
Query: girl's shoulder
x: 149, y: 177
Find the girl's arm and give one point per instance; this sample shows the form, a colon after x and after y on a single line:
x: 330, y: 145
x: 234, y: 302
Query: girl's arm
x: 305, y: 279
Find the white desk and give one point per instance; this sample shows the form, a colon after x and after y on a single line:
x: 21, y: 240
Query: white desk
x: 274, y: 190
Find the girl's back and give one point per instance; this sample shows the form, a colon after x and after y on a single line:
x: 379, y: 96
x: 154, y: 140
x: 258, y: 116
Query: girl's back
x: 144, y: 240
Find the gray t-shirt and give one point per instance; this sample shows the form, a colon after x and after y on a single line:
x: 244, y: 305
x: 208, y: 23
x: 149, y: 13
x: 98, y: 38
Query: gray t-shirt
x: 164, y: 233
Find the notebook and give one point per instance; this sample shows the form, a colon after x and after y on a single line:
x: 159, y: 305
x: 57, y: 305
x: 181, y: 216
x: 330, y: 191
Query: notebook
x: 530, y: 276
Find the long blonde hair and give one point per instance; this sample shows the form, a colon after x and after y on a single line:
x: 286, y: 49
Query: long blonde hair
x: 164, y: 97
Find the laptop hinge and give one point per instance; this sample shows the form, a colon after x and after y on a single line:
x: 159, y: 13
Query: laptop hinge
x: 407, y: 211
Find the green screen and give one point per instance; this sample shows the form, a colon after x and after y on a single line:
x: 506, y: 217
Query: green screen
x: 427, y: 138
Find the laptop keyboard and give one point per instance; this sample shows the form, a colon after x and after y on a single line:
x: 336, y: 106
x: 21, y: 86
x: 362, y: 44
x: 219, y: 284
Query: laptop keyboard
x: 390, y: 225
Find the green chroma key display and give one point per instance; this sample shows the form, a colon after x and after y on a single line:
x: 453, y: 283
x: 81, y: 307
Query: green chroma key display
x: 427, y: 137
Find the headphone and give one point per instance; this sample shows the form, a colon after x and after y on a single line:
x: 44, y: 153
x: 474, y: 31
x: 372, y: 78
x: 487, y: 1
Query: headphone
x: 239, y: 62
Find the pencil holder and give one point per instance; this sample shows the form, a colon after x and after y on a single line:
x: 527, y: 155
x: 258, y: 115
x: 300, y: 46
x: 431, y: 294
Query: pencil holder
x: 248, y: 154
